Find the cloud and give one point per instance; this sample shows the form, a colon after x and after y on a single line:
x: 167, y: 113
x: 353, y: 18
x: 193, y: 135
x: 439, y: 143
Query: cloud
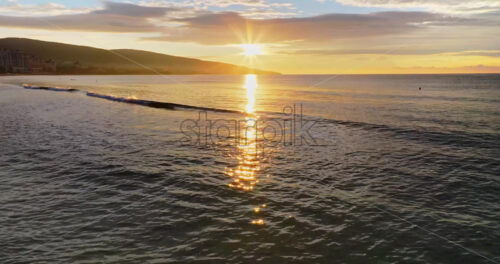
x: 378, y: 51
x: 181, y: 24
x: 393, y: 51
x: 123, y: 17
x: 246, y: 8
x: 444, y: 6
x: 131, y: 10
x: 217, y: 3
x: 483, y: 53
x: 480, y: 68
x: 43, y: 9
x: 115, y: 17
x: 230, y: 27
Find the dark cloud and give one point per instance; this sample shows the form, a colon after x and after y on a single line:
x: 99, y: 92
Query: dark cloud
x: 131, y: 10
x: 230, y: 27
x: 484, y: 53
x: 115, y: 17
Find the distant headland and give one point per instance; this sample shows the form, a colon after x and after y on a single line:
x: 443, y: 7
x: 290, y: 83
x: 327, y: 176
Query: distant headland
x: 28, y: 56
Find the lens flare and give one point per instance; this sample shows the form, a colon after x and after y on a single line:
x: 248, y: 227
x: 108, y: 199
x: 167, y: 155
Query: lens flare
x: 252, y: 49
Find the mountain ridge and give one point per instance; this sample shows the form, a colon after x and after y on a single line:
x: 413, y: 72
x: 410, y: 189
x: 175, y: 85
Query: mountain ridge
x: 79, y: 59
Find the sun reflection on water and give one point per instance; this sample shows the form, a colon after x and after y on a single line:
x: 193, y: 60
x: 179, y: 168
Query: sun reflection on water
x: 244, y: 176
x: 251, y: 86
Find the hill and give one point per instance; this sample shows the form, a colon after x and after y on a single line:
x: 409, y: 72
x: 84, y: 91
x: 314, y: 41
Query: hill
x: 73, y: 59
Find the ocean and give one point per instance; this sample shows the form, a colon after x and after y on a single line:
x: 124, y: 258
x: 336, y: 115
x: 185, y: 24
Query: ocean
x: 250, y: 169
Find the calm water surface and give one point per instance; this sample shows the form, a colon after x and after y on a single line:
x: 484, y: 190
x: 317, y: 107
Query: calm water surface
x: 398, y: 174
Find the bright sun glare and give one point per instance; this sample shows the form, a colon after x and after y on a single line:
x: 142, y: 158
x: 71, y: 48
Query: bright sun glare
x: 251, y: 49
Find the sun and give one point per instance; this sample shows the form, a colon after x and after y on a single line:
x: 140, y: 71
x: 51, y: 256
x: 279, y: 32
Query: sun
x: 252, y: 49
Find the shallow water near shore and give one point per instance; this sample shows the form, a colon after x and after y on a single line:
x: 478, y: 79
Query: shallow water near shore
x: 400, y: 174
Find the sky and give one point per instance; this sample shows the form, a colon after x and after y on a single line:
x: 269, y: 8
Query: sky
x: 296, y: 36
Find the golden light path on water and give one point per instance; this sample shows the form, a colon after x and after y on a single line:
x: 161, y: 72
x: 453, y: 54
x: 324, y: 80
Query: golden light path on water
x: 251, y: 86
x: 245, y: 175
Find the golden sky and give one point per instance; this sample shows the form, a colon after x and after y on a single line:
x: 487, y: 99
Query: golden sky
x: 296, y: 36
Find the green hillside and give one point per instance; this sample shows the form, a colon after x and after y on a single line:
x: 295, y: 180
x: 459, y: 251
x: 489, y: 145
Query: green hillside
x: 73, y: 59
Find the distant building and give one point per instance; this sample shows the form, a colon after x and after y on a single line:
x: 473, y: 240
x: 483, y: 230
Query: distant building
x: 5, y: 60
x: 16, y: 61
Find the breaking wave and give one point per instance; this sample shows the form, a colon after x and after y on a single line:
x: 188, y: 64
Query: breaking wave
x: 132, y: 100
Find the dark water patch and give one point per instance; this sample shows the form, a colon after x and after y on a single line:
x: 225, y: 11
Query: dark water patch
x: 48, y: 88
x: 130, y: 100
x: 452, y: 138
x: 156, y: 104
